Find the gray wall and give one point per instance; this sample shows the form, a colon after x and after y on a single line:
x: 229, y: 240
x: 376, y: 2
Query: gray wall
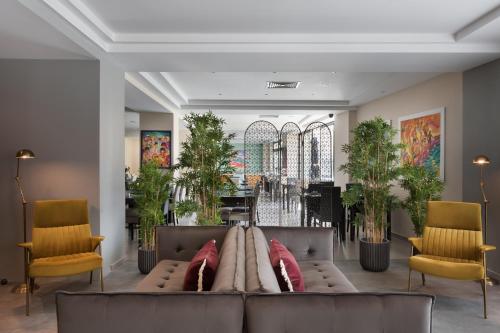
x: 481, y: 136
x: 442, y: 91
x: 51, y: 107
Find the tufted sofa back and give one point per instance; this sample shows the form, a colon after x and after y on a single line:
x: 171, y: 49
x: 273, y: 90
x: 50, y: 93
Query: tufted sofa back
x: 182, y: 242
x: 304, y: 243
x: 453, y: 230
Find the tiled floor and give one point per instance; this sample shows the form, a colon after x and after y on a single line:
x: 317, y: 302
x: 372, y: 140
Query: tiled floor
x: 458, y: 306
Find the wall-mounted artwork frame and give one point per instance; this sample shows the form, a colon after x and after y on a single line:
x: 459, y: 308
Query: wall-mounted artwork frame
x: 423, y: 134
x: 156, y: 145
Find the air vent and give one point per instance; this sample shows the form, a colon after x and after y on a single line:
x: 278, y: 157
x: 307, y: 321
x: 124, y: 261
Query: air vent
x: 283, y: 84
x: 268, y: 116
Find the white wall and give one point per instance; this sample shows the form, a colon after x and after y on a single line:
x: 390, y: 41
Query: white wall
x: 343, y: 125
x: 111, y: 163
x: 442, y: 91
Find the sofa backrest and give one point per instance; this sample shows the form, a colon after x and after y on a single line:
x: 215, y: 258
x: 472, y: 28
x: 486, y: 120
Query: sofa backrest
x: 182, y: 242
x: 191, y: 312
x: 304, y: 243
x: 156, y: 312
x: 342, y: 313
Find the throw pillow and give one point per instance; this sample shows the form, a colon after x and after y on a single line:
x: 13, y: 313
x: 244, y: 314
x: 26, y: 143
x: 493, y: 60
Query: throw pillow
x: 285, y: 267
x: 200, y: 274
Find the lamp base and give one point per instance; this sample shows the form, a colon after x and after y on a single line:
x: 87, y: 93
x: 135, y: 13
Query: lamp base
x: 491, y: 282
x: 22, y: 288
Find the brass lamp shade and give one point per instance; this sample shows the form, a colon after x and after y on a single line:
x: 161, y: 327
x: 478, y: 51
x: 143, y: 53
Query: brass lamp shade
x: 25, y: 154
x: 481, y: 160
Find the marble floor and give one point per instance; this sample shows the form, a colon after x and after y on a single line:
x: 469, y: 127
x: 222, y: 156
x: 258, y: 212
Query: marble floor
x: 458, y: 306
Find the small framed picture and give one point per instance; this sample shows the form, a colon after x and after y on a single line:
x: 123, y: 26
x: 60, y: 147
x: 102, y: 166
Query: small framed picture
x: 157, y: 145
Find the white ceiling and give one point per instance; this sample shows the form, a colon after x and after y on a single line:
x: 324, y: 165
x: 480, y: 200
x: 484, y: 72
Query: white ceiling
x: 287, y: 16
x: 24, y: 35
x: 170, y: 48
x: 357, y: 88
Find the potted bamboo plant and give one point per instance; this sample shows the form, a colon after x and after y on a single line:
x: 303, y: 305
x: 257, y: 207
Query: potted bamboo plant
x: 151, y: 190
x: 423, y: 184
x: 373, y: 163
x: 204, y: 165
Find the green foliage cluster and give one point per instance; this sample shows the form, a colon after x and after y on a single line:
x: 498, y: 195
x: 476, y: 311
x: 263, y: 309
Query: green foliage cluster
x: 204, y: 166
x: 151, y: 190
x: 423, y: 184
x: 373, y: 162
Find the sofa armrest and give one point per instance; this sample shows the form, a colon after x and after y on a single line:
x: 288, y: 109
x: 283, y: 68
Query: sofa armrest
x: 96, y: 241
x: 416, y: 242
x: 485, y: 248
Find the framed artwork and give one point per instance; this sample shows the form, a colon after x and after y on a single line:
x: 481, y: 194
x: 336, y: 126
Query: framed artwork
x: 157, y: 145
x: 423, y: 135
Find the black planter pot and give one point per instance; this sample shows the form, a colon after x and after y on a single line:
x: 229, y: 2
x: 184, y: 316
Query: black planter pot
x: 374, y: 257
x: 146, y: 260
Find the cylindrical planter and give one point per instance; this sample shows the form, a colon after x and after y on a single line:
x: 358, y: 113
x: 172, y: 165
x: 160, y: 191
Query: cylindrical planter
x: 146, y: 260
x: 374, y: 257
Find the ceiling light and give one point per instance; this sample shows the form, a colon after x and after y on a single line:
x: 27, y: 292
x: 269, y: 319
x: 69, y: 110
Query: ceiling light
x: 283, y: 84
x: 269, y: 116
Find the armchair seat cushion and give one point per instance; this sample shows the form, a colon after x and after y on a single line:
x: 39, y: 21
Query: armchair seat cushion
x: 69, y: 264
x: 452, y: 268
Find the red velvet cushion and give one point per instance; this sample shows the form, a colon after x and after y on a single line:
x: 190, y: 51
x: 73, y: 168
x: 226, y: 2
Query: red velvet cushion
x: 285, y: 267
x: 198, y: 279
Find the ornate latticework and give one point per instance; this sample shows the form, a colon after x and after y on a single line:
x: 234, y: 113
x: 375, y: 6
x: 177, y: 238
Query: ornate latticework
x: 290, y: 173
x: 262, y: 164
x: 316, y: 154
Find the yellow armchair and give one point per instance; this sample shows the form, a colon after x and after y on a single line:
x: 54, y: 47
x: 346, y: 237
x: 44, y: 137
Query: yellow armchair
x: 452, y: 245
x: 62, y: 243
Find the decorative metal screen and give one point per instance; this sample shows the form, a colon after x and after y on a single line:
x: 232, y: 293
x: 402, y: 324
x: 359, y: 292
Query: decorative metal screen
x: 290, y: 174
x: 316, y: 154
x: 262, y: 150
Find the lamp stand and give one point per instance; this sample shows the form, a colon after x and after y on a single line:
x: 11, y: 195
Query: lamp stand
x: 22, y: 287
x: 489, y: 281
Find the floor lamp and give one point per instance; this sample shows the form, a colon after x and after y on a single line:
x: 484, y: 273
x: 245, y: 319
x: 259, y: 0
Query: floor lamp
x: 23, y: 154
x: 482, y: 161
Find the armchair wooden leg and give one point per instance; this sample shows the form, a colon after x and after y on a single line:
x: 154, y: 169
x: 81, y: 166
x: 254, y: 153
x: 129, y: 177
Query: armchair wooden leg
x: 91, y: 273
x: 28, y: 291
x: 102, y: 280
x: 409, y: 280
x: 423, y: 279
x: 483, y: 286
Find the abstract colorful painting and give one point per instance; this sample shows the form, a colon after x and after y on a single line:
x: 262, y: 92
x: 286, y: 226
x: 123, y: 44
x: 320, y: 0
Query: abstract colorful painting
x: 423, y: 136
x: 157, y: 145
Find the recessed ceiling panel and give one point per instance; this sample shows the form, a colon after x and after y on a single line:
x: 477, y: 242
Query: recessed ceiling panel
x: 288, y: 16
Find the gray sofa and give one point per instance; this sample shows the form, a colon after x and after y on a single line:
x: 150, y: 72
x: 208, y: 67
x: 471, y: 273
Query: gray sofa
x: 245, y: 296
x: 244, y: 258
x: 233, y: 313
x: 311, y: 247
x: 176, y: 246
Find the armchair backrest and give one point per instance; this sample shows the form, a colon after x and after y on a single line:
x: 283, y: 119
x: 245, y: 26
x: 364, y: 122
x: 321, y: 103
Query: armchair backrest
x: 60, y: 227
x: 453, y: 230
